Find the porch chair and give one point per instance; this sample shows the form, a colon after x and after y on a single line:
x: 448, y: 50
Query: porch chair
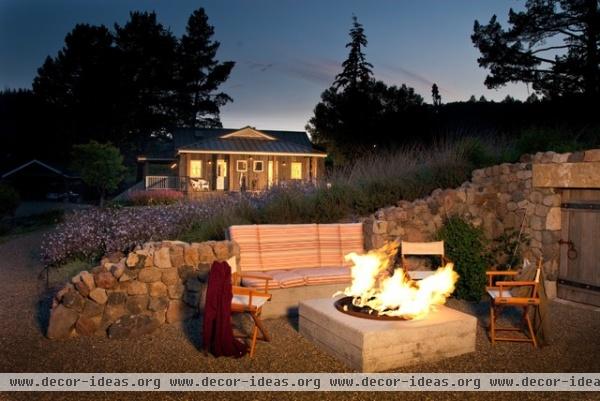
x: 251, y: 301
x: 421, y: 249
x: 518, y: 294
x: 199, y: 185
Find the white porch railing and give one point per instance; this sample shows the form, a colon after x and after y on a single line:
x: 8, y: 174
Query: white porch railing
x: 183, y: 184
x: 165, y: 182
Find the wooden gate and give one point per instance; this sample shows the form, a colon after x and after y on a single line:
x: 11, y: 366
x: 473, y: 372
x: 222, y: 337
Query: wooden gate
x: 579, y: 272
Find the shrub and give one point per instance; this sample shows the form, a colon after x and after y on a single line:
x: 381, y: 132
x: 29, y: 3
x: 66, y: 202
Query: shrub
x: 100, y: 166
x: 507, y: 249
x: 155, y: 197
x: 466, y: 247
x: 9, y: 200
x: 538, y: 139
x: 89, y: 233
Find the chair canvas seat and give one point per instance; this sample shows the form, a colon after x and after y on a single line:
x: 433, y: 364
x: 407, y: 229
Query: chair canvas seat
x: 496, y: 294
x: 420, y: 274
x: 257, y: 301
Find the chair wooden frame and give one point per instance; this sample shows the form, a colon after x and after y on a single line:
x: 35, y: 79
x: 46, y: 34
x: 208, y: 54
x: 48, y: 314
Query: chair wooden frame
x: 504, y: 298
x: 252, y: 308
x: 435, y: 248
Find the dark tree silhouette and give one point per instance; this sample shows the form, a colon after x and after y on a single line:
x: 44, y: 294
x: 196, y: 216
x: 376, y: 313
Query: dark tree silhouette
x: 134, y: 83
x: 435, y: 95
x: 147, y: 51
x: 200, y: 74
x: 356, y: 69
x: 81, y: 83
x: 358, y: 114
x: 553, y: 45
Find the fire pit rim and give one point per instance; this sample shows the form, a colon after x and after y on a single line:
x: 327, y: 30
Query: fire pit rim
x: 363, y: 313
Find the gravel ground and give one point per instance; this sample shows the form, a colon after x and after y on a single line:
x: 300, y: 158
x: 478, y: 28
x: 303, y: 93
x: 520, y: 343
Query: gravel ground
x: 23, y: 347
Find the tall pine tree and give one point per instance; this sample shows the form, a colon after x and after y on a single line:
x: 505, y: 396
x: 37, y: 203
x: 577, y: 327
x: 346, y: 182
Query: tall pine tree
x: 357, y: 114
x: 133, y: 84
x: 200, y: 74
x: 356, y: 69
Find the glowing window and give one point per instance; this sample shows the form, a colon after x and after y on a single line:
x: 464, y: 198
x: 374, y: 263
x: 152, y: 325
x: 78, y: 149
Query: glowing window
x: 195, y: 168
x: 296, y: 171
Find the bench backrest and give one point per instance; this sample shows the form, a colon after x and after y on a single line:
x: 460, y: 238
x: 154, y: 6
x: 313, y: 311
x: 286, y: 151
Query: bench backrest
x: 267, y: 247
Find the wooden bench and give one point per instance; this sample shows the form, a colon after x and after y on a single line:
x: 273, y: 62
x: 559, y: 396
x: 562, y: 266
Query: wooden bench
x: 305, y: 261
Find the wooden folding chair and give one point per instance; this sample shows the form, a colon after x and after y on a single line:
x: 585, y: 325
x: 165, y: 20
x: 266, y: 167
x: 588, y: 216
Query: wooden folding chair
x: 421, y: 249
x: 251, y: 301
x: 500, y: 292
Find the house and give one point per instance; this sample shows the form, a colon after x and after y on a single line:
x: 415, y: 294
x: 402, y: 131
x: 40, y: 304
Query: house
x: 219, y: 159
x: 37, y: 180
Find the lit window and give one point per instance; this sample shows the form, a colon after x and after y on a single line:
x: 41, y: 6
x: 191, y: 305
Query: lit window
x: 296, y: 171
x: 241, y: 166
x: 258, y: 166
x: 195, y: 168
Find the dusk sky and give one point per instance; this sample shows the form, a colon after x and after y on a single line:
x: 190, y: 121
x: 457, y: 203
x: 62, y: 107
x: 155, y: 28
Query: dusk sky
x: 286, y: 52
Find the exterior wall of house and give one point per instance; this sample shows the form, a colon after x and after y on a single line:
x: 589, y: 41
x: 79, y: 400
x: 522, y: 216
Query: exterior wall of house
x: 312, y: 168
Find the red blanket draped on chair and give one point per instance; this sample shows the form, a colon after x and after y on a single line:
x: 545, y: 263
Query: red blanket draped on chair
x: 217, y: 329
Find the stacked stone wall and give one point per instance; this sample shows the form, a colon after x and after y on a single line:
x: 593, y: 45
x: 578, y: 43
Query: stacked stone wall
x: 497, y: 199
x: 133, y: 294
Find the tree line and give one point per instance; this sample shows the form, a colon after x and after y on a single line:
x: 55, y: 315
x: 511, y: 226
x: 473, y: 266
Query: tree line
x: 131, y: 84
x: 127, y: 85
x: 552, y: 46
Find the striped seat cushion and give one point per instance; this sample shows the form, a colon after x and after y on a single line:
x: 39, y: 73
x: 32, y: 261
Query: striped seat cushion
x: 259, y: 283
x: 326, y: 275
x: 281, y: 279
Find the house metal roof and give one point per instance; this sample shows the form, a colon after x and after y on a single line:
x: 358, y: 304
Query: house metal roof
x: 211, y: 140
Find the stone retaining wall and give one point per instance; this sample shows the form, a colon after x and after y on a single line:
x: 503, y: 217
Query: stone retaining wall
x: 130, y: 295
x: 496, y: 199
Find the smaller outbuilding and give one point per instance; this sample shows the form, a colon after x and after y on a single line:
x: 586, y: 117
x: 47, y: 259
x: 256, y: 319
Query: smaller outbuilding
x: 36, y: 180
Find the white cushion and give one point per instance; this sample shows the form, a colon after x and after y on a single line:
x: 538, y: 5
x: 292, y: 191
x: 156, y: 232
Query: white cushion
x: 240, y: 299
x: 496, y: 294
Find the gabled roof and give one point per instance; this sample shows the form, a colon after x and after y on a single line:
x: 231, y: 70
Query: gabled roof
x: 248, y: 132
x: 244, y: 140
x: 36, y: 162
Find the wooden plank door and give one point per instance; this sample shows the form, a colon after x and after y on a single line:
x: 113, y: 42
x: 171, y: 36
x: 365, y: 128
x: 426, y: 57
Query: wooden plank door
x: 579, y: 272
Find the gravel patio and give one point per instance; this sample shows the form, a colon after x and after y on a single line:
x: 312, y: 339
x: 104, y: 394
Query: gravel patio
x: 172, y: 348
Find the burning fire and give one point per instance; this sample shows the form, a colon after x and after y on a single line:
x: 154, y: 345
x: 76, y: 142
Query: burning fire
x: 396, y: 295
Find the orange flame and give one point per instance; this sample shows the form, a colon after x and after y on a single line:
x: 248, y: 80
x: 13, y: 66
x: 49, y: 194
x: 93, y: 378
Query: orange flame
x: 396, y: 295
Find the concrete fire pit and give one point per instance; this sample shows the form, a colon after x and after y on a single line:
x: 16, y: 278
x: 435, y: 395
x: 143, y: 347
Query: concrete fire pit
x: 370, y: 345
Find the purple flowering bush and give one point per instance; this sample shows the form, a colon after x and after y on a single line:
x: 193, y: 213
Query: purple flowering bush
x: 90, y: 233
x: 155, y: 197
